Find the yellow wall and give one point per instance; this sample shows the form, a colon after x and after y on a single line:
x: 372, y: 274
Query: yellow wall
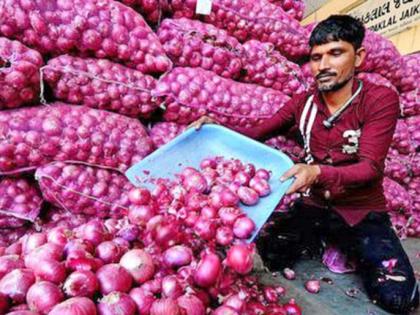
x: 407, y: 41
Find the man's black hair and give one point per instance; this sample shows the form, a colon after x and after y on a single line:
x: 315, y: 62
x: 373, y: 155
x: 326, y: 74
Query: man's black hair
x: 338, y: 27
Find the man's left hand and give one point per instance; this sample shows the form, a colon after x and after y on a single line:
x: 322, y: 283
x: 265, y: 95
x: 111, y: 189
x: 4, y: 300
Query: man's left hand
x: 305, y: 176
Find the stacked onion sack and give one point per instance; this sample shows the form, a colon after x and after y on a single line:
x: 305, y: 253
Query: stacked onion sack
x: 180, y: 250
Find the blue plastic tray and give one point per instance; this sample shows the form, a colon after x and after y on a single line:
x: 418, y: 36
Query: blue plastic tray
x: 192, y: 146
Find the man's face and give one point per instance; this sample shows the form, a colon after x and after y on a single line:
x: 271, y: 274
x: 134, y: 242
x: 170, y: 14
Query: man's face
x: 333, y: 64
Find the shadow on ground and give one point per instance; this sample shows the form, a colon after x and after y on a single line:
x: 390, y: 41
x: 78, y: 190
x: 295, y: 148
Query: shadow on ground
x: 332, y: 299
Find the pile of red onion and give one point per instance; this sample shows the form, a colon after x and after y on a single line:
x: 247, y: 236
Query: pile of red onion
x: 190, y: 43
x: 258, y: 19
x: 193, y: 92
x: 32, y: 137
x: 102, y: 84
x: 20, y: 202
x: 105, y: 29
x: 265, y: 66
x: 19, y: 74
x: 163, y: 132
x: 180, y: 250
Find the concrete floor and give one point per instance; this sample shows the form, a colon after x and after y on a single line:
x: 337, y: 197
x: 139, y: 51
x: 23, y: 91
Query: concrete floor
x: 332, y: 299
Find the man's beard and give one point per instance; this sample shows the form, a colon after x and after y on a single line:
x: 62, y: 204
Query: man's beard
x: 332, y: 87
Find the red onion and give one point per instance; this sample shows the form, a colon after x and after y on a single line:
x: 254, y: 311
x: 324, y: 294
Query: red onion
x: 256, y: 308
x: 47, y: 251
x: 140, y: 215
x: 224, y: 235
x: 263, y: 174
x: 171, y: 288
x: 139, y: 264
x: 208, y: 213
x: 139, y: 196
x: 236, y: 301
x: 164, y: 306
x: 75, y: 306
x: 177, y: 256
x: 225, y: 310
x: 240, y: 258
x: 16, y: 284
x: 95, y: 232
x: 83, y: 261
x: 78, y: 245
x: 205, y: 228
x: 313, y: 286
x: 191, y: 304
x: 191, y: 218
x: 260, y: 185
x: 193, y: 180
x: 129, y: 232
x: 248, y: 196
x: 116, y: 303
x: 9, y: 263
x: 166, y: 234
x: 281, y: 291
x: 208, y: 270
x: 228, y: 215
x: 33, y: 241
x: 223, y: 198
x: 143, y: 299
x: 113, y: 277
x: 289, y: 274
x: 109, y: 252
x: 153, y: 286
x: 59, y: 236
x: 43, y: 296
x: 50, y: 270
x: 292, y: 308
x: 81, y: 284
x: 243, y: 227
x: 271, y: 294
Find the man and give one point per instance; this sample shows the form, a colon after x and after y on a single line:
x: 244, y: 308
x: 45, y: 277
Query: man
x: 347, y: 127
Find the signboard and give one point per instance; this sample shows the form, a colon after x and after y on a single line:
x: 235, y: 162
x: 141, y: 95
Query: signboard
x: 388, y: 17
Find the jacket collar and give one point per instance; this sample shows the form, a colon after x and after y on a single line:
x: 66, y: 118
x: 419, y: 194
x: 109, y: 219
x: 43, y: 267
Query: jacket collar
x: 322, y: 107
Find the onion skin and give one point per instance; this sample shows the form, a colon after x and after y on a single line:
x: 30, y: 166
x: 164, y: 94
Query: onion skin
x: 208, y: 270
x: 313, y: 286
x: 109, y: 252
x: 243, y: 227
x: 139, y: 264
x: 16, y: 284
x: 292, y: 308
x: 191, y: 304
x: 113, y: 277
x: 240, y: 258
x: 9, y: 263
x: 289, y: 274
x: 225, y: 310
x: 75, y: 306
x: 177, y: 256
x: 81, y: 283
x: 143, y: 299
x: 165, y: 306
x: 50, y: 270
x: 116, y: 303
x: 43, y: 296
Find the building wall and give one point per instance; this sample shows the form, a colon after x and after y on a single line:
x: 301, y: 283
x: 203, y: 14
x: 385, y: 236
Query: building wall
x: 408, y: 41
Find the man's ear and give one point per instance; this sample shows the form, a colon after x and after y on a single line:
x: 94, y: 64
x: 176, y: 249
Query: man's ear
x: 360, y: 56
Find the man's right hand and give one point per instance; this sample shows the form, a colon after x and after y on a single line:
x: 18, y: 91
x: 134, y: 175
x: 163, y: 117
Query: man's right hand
x: 201, y: 121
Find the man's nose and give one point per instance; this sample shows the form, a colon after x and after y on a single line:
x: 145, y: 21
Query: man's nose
x: 324, y: 64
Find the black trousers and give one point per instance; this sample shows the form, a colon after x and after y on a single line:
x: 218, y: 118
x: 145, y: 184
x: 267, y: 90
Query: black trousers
x: 303, y: 231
